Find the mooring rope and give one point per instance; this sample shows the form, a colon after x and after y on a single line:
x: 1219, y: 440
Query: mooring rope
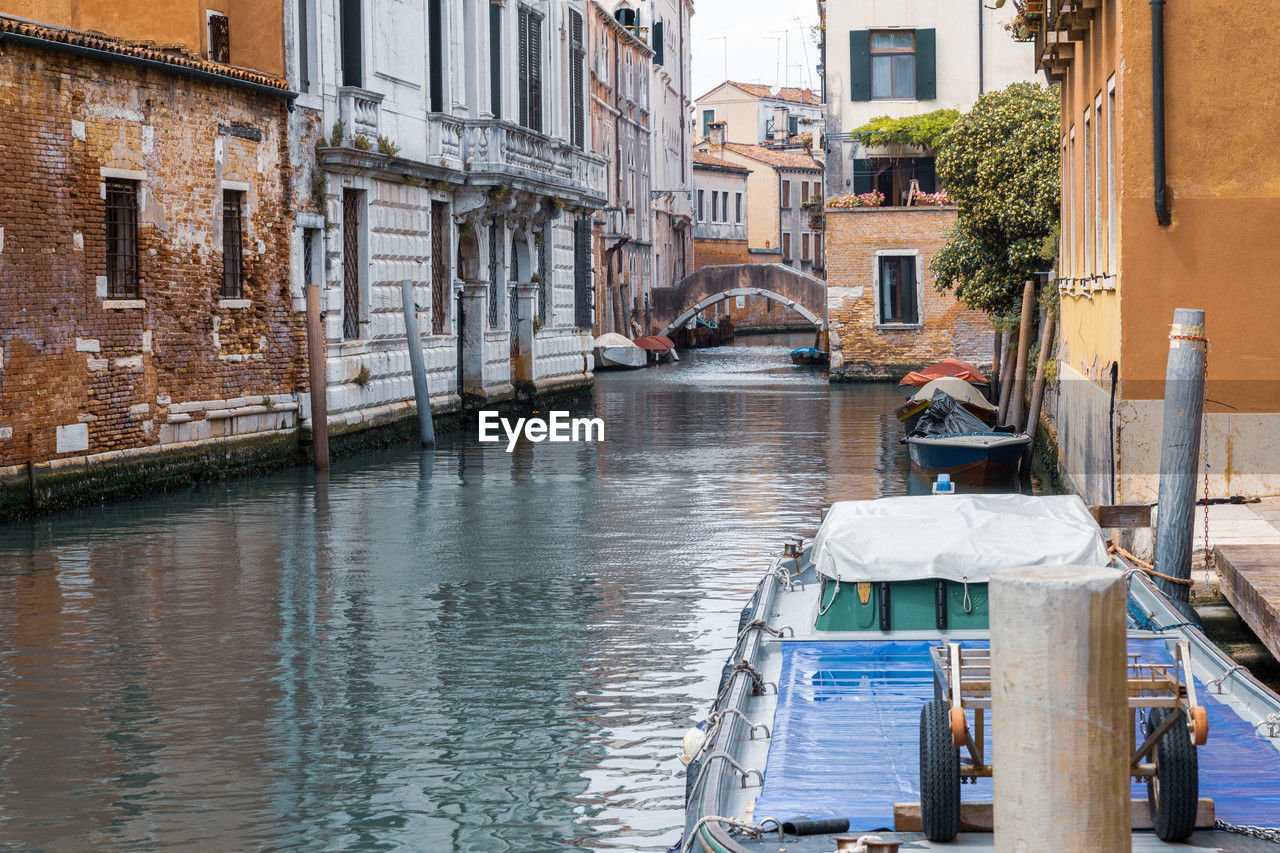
x: 1144, y: 566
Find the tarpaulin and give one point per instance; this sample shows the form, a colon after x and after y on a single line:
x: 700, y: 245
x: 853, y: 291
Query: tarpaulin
x: 946, y: 367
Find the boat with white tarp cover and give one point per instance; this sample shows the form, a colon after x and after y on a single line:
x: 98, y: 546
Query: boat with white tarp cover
x: 820, y: 733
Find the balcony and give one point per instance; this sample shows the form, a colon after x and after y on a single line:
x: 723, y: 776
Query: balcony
x: 359, y: 109
x: 494, y: 152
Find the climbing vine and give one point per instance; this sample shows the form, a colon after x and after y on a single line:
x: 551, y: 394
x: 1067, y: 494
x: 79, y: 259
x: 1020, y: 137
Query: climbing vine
x: 926, y: 130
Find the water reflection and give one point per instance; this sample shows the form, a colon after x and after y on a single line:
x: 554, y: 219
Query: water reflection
x: 463, y: 649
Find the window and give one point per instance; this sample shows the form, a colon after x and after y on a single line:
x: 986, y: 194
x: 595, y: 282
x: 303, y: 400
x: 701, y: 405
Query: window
x: 804, y: 246
x: 583, y: 309
x: 817, y: 190
x: 899, y: 64
x: 737, y: 208
x: 1111, y: 174
x: 1087, y: 182
x: 352, y: 43
x: 708, y: 116
x: 804, y: 192
x: 893, y: 64
x: 122, y: 239
x: 786, y: 195
x: 219, y: 37
x: 435, y: 41
x: 898, y: 289
x: 495, y: 60
x: 352, y: 245
x: 701, y: 206
x: 441, y: 238
x: 1098, y: 193
x: 715, y: 206
x: 306, y: 44
x: 793, y: 125
x: 232, y: 244
x: 577, y: 90
x: 817, y: 249
x: 786, y: 247
x: 1069, y: 225
x: 530, y: 69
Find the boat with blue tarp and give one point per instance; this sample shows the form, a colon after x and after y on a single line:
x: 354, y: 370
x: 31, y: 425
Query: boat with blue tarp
x: 816, y: 733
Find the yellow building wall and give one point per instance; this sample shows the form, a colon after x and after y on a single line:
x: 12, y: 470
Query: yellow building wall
x: 257, y: 28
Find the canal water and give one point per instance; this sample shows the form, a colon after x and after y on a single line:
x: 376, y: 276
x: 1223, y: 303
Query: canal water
x: 464, y: 649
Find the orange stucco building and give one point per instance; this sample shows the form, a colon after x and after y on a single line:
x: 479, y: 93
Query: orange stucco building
x: 1126, y: 264
x: 253, y: 30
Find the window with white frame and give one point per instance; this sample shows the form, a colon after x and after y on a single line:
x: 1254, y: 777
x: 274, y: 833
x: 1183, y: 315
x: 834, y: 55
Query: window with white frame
x: 897, y: 291
x: 1086, y: 221
x: 1099, y: 216
x: 1111, y: 175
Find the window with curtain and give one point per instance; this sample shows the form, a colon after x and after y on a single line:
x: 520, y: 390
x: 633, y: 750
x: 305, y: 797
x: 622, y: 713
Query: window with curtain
x: 898, y: 296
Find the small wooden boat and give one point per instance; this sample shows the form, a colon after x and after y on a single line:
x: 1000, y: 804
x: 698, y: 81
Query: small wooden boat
x: 976, y: 458
x: 615, y: 352
x: 660, y: 347
x: 816, y: 729
x: 810, y: 355
x: 947, y: 367
x: 962, y: 392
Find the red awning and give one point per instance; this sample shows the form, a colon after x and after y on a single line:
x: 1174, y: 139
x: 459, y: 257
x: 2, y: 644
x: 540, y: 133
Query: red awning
x: 655, y: 342
x: 947, y: 367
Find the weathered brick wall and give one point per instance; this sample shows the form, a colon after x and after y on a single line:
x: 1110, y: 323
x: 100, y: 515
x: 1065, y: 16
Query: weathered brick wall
x: 861, y: 348
x: 709, y: 253
x: 73, y: 359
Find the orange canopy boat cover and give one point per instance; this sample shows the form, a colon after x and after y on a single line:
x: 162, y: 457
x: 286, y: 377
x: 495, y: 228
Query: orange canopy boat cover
x: 947, y: 367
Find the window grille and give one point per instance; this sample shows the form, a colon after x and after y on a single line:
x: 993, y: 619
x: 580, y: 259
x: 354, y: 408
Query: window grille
x: 122, y: 239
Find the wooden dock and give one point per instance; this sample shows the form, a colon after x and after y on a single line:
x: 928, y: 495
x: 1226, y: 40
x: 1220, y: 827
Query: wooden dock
x: 1250, y: 579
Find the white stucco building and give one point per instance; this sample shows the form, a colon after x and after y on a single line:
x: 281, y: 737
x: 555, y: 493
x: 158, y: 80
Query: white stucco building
x: 907, y: 57
x: 753, y: 113
x: 445, y: 142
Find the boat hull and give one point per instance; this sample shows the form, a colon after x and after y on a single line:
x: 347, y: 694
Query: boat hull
x: 620, y: 358
x: 967, y: 461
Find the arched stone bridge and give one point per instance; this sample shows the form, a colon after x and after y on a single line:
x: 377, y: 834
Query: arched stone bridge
x: 672, y: 307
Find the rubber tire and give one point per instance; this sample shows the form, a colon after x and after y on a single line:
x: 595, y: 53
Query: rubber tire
x: 939, y: 773
x: 1174, y: 790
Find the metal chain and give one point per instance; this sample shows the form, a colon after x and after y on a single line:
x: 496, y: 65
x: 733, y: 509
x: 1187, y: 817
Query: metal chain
x: 1265, y: 833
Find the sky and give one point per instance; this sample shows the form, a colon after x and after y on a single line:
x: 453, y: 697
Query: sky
x: 754, y: 32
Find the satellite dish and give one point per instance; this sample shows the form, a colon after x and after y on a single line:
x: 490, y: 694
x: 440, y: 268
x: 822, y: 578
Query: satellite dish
x: 774, y: 90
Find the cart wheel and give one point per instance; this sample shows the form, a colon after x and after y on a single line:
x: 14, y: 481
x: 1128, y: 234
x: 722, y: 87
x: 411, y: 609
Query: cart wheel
x: 958, y: 726
x: 1174, y: 789
x: 1200, y: 725
x: 939, y: 773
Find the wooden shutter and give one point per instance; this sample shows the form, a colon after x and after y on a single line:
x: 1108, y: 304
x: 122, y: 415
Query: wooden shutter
x: 860, y: 65
x: 495, y: 60
x: 524, y: 66
x: 862, y: 177
x: 577, y: 93
x: 535, y: 72
x: 659, y: 47
x: 926, y: 65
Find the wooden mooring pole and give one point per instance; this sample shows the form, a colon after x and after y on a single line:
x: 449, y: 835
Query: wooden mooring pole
x: 993, y: 386
x: 1037, y: 389
x: 316, y: 363
x: 421, y: 394
x: 1180, y: 451
x: 1016, y: 412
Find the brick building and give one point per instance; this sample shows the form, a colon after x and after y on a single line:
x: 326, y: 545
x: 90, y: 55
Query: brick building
x: 146, y: 325
x: 885, y: 316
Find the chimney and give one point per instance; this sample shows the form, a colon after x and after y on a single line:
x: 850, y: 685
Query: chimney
x: 716, y: 133
x: 781, y: 123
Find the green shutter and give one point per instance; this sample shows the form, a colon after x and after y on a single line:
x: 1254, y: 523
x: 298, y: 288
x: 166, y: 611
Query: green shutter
x: 862, y: 176
x: 926, y: 65
x: 860, y: 65
x: 658, y: 52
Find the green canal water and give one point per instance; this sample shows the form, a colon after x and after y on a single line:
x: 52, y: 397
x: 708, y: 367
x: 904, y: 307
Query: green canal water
x: 461, y: 649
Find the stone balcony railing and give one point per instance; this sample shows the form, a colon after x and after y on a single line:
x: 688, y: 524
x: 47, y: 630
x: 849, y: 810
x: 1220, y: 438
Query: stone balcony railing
x: 501, y: 152
x: 359, y: 109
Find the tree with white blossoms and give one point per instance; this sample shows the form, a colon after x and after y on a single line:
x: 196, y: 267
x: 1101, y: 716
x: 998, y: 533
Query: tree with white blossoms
x: 1000, y: 165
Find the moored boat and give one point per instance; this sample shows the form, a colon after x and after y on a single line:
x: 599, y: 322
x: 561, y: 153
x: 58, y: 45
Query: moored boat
x: 957, y: 389
x: 947, y: 367
x: 810, y: 355
x: 659, y: 347
x: 949, y: 439
x: 616, y: 352
x: 816, y: 730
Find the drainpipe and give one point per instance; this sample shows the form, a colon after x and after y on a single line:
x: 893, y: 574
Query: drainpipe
x: 981, y: 41
x: 1157, y: 110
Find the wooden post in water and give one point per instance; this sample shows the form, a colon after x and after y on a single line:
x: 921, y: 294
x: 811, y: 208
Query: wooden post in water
x: 417, y: 365
x: 1060, y: 702
x: 317, y: 379
x: 1180, y: 451
x: 1006, y: 381
x: 1037, y: 389
x: 993, y: 386
x: 1024, y: 349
